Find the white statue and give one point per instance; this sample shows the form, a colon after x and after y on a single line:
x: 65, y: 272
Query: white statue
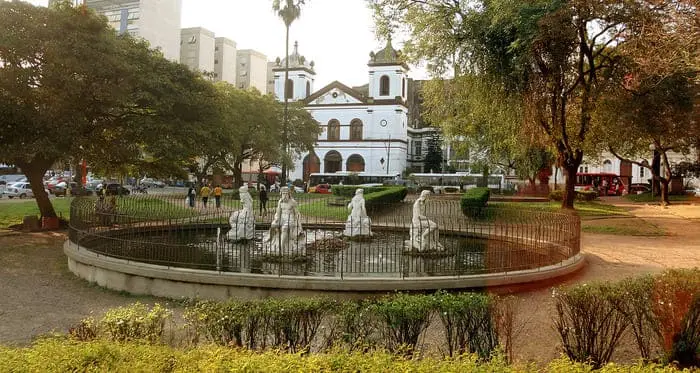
x: 424, y: 232
x: 285, y: 229
x: 358, y: 223
x: 242, y: 221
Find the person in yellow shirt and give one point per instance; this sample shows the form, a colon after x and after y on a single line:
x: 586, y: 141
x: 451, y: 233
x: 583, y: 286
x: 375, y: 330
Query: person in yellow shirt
x: 217, y: 195
x: 204, y: 192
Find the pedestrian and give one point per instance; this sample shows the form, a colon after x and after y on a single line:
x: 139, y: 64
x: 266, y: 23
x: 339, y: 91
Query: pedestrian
x: 263, y: 199
x: 217, y: 196
x: 191, y: 196
x: 204, y: 192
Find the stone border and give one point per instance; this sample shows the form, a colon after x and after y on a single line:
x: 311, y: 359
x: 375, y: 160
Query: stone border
x: 174, y: 282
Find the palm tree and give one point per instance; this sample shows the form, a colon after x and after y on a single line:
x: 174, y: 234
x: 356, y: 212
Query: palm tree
x: 290, y: 12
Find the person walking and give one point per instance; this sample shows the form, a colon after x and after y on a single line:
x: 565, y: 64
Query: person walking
x: 263, y: 199
x: 217, y: 196
x: 191, y: 196
x: 204, y: 192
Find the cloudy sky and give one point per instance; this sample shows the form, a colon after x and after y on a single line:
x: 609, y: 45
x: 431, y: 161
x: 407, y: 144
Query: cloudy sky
x: 336, y: 34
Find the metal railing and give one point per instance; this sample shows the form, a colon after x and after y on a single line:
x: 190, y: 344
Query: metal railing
x: 164, y: 230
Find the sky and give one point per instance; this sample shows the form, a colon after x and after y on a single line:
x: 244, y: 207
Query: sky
x: 337, y: 35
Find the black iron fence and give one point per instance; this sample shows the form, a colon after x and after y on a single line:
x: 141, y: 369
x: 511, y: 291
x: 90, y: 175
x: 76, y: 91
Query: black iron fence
x: 165, y: 230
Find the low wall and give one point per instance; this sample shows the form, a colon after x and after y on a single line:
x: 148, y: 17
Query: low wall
x: 173, y: 282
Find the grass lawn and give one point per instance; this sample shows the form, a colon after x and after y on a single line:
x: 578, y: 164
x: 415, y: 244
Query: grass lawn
x: 153, y: 208
x: 320, y: 208
x: 622, y: 227
x: 647, y: 197
x: 12, y: 213
x: 584, y: 209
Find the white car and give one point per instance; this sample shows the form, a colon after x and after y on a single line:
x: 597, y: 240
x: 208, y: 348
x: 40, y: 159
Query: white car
x: 20, y: 190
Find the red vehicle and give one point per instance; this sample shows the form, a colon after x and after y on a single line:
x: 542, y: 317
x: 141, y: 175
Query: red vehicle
x: 607, y: 184
x: 321, y: 188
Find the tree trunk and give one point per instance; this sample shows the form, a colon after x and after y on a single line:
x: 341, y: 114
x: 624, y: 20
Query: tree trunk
x: 35, y: 173
x: 237, y: 174
x: 664, y: 191
x: 286, y: 107
x: 656, y: 173
x: 570, y: 186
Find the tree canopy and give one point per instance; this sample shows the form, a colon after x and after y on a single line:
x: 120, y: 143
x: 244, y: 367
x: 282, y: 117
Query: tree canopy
x: 555, y: 58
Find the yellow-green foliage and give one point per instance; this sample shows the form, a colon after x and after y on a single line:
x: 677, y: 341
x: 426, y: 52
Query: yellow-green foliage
x: 135, y: 322
x: 63, y: 355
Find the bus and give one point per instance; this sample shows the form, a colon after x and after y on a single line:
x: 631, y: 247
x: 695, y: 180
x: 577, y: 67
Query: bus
x: 607, y: 184
x: 457, y: 182
x: 350, y: 178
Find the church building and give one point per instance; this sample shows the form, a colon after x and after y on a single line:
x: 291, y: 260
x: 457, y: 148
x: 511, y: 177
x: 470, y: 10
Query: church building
x: 366, y: 128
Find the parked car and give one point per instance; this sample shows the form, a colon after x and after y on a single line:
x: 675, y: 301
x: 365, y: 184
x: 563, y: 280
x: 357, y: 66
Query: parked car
x: 321, y: 188
x: 20, y: 190
x: 150, y: 183
x: 115, y: 189
x: 639, y: 188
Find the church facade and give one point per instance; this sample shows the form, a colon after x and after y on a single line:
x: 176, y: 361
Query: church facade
x: 364, y: 129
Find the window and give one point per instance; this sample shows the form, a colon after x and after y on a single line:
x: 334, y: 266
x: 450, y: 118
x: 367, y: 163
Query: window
x: 333, y: 130
x: 289, y: 89
x: 641, y: 171
x: 403, y: 87
x: 308, y: 89
x: 384, y: 86
x: 417, y: 148
x: 216, y: 62
x: 356, y: 130
x: 216, y: 49
x: 580, y: 169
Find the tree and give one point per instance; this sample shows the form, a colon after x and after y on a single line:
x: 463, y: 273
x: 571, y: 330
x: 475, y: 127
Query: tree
x: 653, y: 106
x: 552, y: 55
x: 290, y: 12
x: 433, y: 158
x: 70, y: 87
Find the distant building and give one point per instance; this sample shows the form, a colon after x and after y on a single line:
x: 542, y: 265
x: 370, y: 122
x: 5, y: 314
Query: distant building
x: 225, y: 60
x: 156, y: 21
x: 197, y: 49
x: 251, y: 70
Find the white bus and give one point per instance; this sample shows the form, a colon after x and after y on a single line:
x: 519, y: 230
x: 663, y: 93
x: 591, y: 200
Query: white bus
x: 457, y: 182
x: 350, y: 178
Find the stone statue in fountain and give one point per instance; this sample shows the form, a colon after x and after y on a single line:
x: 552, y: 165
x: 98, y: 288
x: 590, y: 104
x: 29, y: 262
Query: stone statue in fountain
x: 358, y: 223
x: 424, y: 232
x: 242, y: 221
x: 285, y: 236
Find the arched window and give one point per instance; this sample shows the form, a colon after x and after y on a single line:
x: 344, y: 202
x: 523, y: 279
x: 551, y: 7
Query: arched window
x: 403, y: 87
x: 384, y: 86
x: 289, y: 89
x: 311, y: 165
x: 333, y: 130
x: 308, y: 89
x: 355, y: 163
x: 356, y: 130
x: 607, y: 166
x: 332, y: 162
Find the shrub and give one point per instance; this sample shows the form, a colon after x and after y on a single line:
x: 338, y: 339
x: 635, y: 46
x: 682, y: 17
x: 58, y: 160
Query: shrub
x: 469, y: 324
x: 385, y: 197
x: 425, y: 187
x: 295, y: 321
x: 451, y: 189
x: 588, y: 323
x: 135, y: 322
x: 220, y: 323
x: 676, y: 305
x: 353, y: 326
x: 474, y: 200
x: 84, y: 331
x: 349, y: 190
x: 556, y: 195
x: 586, y: 195
x: 404, y: 318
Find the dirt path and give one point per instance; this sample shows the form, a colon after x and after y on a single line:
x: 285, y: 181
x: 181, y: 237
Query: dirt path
x: 39, y: 295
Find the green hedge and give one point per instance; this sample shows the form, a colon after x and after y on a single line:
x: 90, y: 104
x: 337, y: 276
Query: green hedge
x: 384, y: 197
x: 474, y: 200
x: 349, y: 190
x: 60, y: 355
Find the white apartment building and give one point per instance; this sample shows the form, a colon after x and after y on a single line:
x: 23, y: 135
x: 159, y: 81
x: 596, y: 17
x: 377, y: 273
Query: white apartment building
x: 197, y: 49
x: 251, y: 70
x: 225, y: 60
x: 156, y: 21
